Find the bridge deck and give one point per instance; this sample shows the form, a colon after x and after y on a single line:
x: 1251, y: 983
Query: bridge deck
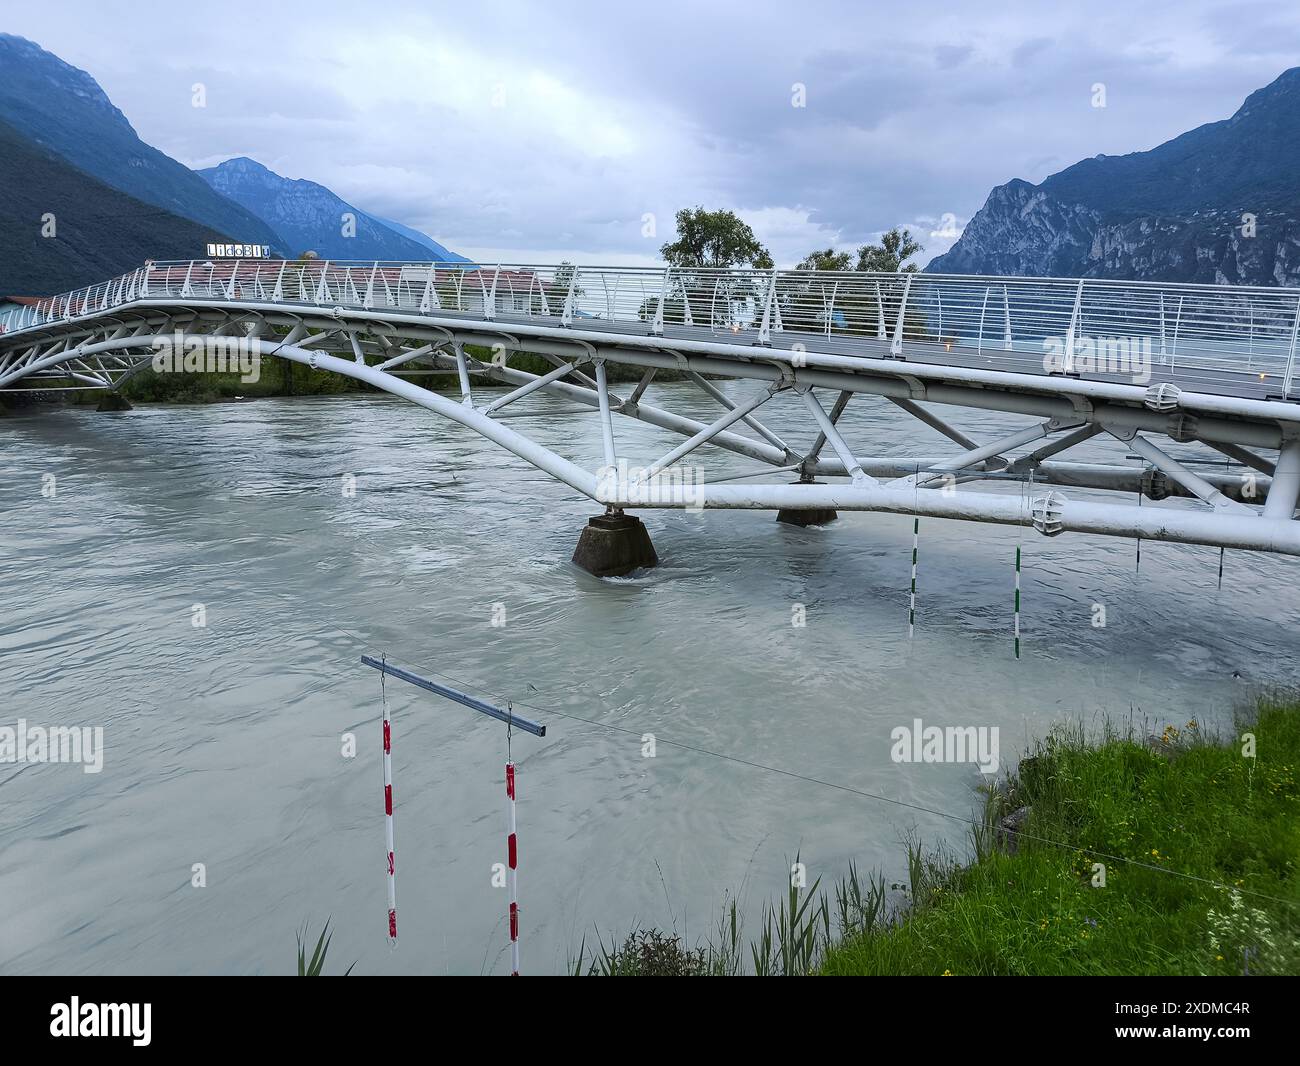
x: 1220, y: 340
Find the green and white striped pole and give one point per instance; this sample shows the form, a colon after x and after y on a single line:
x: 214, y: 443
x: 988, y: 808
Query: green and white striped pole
x: 911, y: 605
x: 1017, y: 623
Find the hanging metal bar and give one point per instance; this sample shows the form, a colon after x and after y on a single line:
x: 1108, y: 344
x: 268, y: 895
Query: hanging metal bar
x: 463, y: 698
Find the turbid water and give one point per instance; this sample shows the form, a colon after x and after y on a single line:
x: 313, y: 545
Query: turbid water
x: 223, y: 743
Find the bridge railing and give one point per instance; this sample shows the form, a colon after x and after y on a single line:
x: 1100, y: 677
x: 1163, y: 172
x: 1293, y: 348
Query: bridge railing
x: 1083, y: 325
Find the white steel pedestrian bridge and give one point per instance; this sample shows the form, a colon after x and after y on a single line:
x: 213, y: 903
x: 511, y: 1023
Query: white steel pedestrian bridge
x: 1166, y: 373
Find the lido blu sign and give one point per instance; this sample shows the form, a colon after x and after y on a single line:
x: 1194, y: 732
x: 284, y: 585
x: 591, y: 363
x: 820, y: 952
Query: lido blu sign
x: 239, y: 251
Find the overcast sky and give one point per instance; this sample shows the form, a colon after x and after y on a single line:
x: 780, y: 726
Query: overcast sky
x: 533, y: 131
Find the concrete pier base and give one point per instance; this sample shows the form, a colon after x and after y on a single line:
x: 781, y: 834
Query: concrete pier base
x: 113, y: 401
x: 612, y: 545
x: 818, y: 516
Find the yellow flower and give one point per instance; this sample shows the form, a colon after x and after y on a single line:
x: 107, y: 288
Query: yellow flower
x: 947, y: 973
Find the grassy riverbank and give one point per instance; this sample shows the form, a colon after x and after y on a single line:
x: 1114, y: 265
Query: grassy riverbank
x: 1169, y: 855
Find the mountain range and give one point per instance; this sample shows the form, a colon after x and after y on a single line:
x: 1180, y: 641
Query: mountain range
x: 63, y: 229
x: 63, y: 140
x: 305, y: 215
x: 1220, y: 204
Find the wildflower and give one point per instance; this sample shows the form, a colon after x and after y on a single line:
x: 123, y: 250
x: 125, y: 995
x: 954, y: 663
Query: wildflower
x: 947, y: 973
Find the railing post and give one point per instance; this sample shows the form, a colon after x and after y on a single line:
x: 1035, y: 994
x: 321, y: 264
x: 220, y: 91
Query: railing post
x: 1178, y: 325
x: 278, y: 295
x: 765, y: 327
x: 896, y: 345
x: 322, y: 290
x: 490, y: 299
x: 1071, y: 330
x: 535, y: 282
x: 657, y: 326
x: 880, y: 312
x: 566, y: 317
x: 430, y: 292
x: 1290, y: 359
x: 1250, y: 354
x: 1163, y: 355
x: 1006, y: 312
x: 369, y: 301
x: 979, y: 344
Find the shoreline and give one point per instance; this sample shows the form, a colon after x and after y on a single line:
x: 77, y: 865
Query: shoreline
x: 1169, y: 855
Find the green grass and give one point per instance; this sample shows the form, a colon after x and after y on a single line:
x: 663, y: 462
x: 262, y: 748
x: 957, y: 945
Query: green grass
x: 1192, y: 807
x: 315, y: 965
x: 1199, y: 846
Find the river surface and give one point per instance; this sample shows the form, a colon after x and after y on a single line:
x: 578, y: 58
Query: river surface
x: 223, y: 744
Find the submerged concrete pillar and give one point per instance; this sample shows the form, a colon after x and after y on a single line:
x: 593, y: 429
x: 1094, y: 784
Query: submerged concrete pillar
x: 818, y: 516
x: 613, y: 545
x: 114, y: 401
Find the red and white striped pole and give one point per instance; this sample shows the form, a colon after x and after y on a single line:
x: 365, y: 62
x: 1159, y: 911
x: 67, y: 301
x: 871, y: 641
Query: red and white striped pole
x: 388, y: 825
x: 511, y: 878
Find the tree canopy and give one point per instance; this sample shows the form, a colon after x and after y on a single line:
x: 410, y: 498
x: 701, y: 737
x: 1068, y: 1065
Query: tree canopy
x: 829, y: 259
x: 714, y: 239
x: 895, y: 248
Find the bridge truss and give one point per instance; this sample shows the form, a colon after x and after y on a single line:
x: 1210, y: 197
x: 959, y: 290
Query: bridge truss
x: 1149, y: 367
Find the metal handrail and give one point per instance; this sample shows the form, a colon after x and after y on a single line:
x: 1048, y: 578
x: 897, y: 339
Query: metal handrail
x: 1246, y: 329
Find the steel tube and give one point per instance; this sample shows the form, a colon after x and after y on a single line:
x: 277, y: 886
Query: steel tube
x: 1216, y: 529
x: 463, y: 698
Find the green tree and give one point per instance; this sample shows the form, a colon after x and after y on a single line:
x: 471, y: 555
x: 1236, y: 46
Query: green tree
x: 827, y: 305
x: 829, y: 259
x: 557, y: 292
x: 714, y: 239
x: 895, y: 248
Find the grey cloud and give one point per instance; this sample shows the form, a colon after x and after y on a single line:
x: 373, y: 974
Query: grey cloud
x: 641, y: 111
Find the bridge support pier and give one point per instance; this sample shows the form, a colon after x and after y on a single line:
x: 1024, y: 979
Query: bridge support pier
x: 114, y: 401
x: 613, y: 545
x: 817, y: 516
